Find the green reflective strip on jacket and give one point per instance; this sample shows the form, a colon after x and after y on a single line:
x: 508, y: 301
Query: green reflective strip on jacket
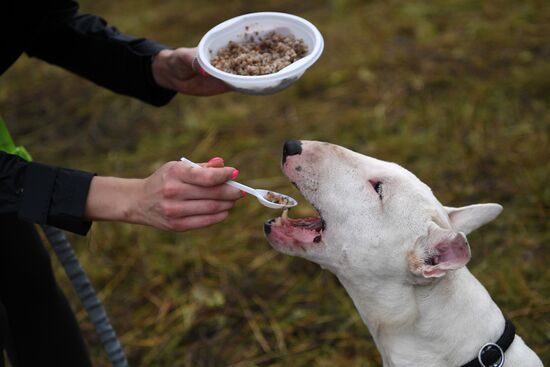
x: 7, y: 144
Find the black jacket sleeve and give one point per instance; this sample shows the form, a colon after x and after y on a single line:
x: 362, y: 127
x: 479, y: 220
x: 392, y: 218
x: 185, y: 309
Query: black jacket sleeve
x: 87, y: 46
x: 43, y: 194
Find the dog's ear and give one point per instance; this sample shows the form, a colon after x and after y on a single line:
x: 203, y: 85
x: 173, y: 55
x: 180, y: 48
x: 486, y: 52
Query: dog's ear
x: 438, y: 252
x: 469, y: 218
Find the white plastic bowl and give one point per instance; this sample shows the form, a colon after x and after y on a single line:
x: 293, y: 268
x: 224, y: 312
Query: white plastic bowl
x: 236, y: 29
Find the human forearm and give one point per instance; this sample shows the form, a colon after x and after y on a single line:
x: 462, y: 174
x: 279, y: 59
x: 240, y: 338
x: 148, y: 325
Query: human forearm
x: 175, y: 197
x: 113, y: 199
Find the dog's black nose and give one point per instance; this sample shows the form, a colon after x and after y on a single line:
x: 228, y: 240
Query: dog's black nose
x: 292, y: 147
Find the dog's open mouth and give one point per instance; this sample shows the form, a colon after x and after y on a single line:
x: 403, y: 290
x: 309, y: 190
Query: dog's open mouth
x: 298, y: 232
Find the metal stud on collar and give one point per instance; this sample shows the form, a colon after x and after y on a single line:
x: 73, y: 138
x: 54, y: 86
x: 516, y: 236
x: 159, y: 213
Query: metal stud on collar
x: 489, y: 346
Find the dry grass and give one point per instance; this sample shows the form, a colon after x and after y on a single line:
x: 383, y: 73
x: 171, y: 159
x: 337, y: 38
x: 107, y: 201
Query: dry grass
x: 456, y: 91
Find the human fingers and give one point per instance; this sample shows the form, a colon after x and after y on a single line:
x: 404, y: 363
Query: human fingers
x: 196, y: 221
x: 220, y: 192
x: 179, y: 209
x: 181, y: 64
x: 201, y: 176
x: 187, y: 55
x: 216, y: 162
x: 199, y: 85
x: 204, y: 176
x: 181, y: 182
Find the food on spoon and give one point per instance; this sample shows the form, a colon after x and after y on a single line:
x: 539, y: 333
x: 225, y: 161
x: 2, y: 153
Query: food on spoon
x: 277, y: 198
x: 271, y: 54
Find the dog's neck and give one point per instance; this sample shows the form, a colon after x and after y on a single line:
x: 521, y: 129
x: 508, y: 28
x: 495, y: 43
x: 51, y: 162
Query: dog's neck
x: 444, y: 323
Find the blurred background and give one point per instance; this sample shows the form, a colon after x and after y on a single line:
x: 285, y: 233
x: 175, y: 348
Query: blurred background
x: 456, y: 91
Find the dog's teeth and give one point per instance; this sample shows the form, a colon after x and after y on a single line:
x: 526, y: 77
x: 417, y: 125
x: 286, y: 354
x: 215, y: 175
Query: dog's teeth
x: 285, y: 214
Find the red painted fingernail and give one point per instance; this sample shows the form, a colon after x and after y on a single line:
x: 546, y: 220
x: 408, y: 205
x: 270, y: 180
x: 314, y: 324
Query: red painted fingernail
x: 243, y: 194
x: 234, y: 174
x: 215, y: 159
x: 201, y: 71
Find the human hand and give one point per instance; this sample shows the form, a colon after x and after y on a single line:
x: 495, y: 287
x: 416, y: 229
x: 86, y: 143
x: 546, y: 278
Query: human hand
x: 175, y: 197
x: 178, y: 197
x: 179, y: 70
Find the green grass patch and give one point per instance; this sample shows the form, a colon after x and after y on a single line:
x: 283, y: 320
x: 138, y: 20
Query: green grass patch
x: 455, y: 91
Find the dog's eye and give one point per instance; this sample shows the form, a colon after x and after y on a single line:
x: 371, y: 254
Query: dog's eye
x: 377, y: 186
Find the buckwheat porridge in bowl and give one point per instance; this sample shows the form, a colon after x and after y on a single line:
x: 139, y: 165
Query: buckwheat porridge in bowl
x: 260, y: 55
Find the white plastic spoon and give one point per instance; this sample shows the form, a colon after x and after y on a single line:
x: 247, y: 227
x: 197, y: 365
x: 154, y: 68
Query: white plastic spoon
x: 260, y: 194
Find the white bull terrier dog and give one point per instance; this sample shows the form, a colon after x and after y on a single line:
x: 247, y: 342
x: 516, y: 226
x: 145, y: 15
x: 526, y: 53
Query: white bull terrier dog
x: 401, y: 255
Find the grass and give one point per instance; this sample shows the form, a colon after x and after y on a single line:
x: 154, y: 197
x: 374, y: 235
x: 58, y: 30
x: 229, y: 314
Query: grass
x: 456, y: 91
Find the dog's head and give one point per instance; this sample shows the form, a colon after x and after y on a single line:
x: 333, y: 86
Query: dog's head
x: 376, y: 219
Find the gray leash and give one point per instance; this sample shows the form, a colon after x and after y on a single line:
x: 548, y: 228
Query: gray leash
x: 87, y: 295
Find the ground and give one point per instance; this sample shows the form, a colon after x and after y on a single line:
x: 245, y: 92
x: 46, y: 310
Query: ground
x: 456, y: 91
